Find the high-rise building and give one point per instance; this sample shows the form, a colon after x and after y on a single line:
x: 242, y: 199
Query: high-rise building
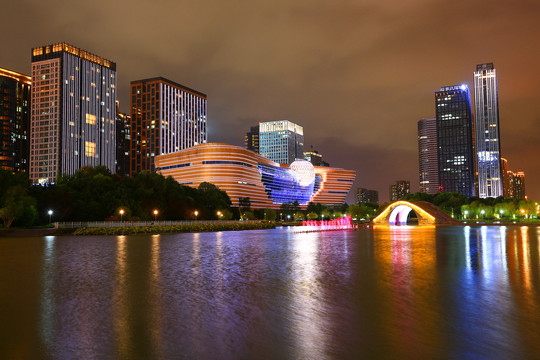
x: 427, y: 156
x: 73, y: 112
x: 251, y: 140
x: 488, y: 147
x: 314, y: 157
x: 517, y: 185
x: 165, y: 117
x: 14, y: 120
x: 513, y: 183
x: 505, y: 178
x: 455, y: 140
x: 399, y: 190
x: 281, y: 141
x: 364, y: 196
x: 123, y: 136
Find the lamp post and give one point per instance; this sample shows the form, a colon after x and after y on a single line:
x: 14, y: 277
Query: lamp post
x: 483, y: 212
x: 219, y: 214
x: 196, y: 214
x: 466, y: 214
x: 501, y: 211
x: 155, y: 215
x: 50, y: 212
x: 288, y: 217
x: 121, y: 214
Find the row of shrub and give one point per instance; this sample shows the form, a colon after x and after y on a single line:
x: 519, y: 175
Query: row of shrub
x: 201, y: 227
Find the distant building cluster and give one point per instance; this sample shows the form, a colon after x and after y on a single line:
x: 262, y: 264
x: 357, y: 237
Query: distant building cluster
x: 459, y: 152
x: 365, y: 196
x: 399, y: 189
x: 66, y: 116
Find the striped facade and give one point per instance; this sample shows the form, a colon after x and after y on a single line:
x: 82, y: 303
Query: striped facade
x: 73, y: 112
x: 242, y: 173
x: 165, y: 117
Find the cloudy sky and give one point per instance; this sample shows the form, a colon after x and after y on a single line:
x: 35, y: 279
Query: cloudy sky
x: 357, y: 75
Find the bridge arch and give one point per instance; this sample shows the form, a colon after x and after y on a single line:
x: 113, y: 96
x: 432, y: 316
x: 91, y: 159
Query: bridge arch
x: 428, y: 214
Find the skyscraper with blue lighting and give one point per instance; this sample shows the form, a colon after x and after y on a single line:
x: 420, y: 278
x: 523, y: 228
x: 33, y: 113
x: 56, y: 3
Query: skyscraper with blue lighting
x: 455, y: 140
x: 488, y: 147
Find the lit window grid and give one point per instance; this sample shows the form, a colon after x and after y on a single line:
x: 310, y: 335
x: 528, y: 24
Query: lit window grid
x: 487, y: 133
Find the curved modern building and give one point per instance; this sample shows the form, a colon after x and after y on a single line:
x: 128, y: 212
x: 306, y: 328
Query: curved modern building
x: 243, y: 173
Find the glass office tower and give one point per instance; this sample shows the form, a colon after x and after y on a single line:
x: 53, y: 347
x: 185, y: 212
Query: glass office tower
x: 488, y: 147
x: 281, y: 141
x: 455, y: 140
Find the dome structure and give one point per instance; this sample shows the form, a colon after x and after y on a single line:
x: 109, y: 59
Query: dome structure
x: 305, y: 171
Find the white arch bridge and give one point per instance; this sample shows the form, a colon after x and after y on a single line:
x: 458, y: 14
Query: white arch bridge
x: 428, y: 214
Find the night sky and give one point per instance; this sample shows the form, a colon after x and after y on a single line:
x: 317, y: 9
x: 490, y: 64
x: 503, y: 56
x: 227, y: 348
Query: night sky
x: 357, y: 75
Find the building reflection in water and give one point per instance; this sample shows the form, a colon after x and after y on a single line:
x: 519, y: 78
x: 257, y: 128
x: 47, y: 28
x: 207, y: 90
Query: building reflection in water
x: 47, y: 306
x: 306, y: 308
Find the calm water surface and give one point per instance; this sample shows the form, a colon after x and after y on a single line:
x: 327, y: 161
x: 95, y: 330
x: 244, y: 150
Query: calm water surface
x: 400, y: 292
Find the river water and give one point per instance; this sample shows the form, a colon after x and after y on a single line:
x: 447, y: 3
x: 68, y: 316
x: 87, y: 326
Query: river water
x: 384, y: 293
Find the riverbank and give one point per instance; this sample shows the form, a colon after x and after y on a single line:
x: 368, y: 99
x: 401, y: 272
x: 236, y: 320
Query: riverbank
x: 187, y: 228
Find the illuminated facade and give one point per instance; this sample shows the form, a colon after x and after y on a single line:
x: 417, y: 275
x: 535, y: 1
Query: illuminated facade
x: 123, y: 136
x: 165, y: 117
x: 281, y: 141
x: 487, y: 131
x: 243, y: 173
x: 14, y: 120
x: 399, y: 189
x: 455, y: 140
x: 73, y: 112
x: 513, y: 183
x: 251, y: 140
x: 428, y: 159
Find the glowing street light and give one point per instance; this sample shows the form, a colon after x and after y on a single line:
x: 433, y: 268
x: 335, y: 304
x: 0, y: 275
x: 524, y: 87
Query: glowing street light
x: 466, y: 214
x: 219, y: 214
x: 483, y: 212
x: 288, y: 217
x: 50, y: 212
x: 155, y: 215
x: 196, y: 214
x: 121, y: 214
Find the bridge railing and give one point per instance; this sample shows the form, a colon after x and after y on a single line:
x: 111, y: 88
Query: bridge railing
x: 79, y: 224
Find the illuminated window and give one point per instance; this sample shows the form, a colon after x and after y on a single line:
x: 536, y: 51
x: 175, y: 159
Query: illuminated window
x: 91, y: 119
x: 90, y: 149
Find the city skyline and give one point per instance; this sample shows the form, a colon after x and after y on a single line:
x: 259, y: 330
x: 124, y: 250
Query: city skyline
x: 358, y: 83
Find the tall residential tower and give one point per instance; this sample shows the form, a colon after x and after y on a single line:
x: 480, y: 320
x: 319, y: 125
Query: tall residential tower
x: 165, y: 117
x: 14, y: 120
x: 488, y: 147
x: 455, y: 140
x: 73, y: 112
x: 427, y: 156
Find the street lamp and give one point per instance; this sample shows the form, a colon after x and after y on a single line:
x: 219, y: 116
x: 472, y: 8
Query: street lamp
x: 50, y: 212
x: 196, y: 214
x: 483, y: 212
x: 219, y: 214
x: 121, y: 214
x: 466, y: 214
x: 501, y: 211
x: 288, y: 217
x: 155, y: 215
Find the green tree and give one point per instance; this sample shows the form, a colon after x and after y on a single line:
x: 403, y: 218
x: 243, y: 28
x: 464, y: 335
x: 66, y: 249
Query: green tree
x: 15, y: 203
x: 299, y: 216
x: 312, y: 216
